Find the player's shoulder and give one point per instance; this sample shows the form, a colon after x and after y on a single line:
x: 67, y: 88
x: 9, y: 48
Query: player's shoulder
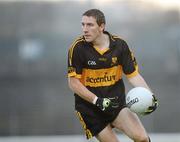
x: 78, y: 41
x: 77, y: 44
x: 117, y: 39
x: 120, y: 42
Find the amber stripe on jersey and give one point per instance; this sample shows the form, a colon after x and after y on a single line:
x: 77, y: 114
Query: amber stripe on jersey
x: 72, y: 48
x: 101, y: 77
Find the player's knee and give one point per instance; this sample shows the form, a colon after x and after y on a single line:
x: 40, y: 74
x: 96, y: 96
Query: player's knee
x: 141, y: 138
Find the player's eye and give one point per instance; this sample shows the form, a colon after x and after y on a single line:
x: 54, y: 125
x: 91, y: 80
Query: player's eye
x: 90, y: 24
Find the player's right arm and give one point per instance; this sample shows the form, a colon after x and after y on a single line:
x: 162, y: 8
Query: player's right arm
x: 103, y: 103
x: 76, y: 86
x: 75, y: 69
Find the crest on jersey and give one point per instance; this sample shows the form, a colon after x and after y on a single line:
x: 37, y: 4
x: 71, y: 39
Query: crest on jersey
x: 114, y: 60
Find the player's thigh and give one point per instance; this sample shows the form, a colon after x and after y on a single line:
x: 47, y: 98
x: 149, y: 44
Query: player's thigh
x: 129, y: 123
x: 107, y: 135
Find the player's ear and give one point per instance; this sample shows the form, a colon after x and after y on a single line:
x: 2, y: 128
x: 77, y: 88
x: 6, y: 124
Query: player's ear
x: 102, y: 27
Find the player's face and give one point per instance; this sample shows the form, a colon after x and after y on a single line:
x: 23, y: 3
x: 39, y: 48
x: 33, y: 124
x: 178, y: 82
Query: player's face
x: 91, y: 30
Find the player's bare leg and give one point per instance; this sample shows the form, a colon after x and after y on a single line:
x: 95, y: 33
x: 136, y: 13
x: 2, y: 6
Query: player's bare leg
x: 107, y: 135
x: 129, y: 123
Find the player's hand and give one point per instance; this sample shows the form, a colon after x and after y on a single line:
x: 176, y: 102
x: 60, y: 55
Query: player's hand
x: 107, y: 103
x: 153, y: 107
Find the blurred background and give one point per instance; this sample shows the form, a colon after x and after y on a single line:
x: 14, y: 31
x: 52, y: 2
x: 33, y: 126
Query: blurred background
x: 34, y: 41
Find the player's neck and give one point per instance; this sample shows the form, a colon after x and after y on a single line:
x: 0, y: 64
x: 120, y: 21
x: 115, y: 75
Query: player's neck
x: 102, y: 41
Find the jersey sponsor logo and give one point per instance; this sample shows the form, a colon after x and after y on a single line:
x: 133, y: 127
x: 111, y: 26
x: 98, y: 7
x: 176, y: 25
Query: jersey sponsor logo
x: 104, y: 78
x: 101, y: 77
x: 91, y: 63
x: 103, y: 59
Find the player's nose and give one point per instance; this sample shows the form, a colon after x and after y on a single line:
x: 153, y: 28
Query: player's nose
x: 85, y: 29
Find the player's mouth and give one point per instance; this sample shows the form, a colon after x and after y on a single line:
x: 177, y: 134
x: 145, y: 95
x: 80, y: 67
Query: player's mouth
x: 87, y: 36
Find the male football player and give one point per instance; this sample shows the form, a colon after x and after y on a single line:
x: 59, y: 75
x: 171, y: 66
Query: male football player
x: 96, y: 62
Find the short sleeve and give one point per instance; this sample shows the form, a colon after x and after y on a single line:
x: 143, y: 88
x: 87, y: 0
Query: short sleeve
x: 75, y: 61
x: 129, y: 64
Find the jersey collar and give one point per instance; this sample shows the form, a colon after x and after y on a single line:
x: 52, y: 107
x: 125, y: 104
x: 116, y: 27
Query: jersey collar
x: 112, y: 41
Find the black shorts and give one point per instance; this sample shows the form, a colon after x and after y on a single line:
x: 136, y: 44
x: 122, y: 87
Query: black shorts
x: 94, y: 120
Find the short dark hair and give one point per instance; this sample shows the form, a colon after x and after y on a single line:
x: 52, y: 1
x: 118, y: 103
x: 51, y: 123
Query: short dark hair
x: 97, y: 14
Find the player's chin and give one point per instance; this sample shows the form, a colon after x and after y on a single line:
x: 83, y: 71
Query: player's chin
x: 88, y: 39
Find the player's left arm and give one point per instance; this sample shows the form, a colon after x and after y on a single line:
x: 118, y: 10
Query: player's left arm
x: 138, y: 81
x: 130, y: 68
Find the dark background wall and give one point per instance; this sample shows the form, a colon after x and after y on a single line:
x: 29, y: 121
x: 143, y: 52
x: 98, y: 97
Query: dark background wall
x: 34, y: 40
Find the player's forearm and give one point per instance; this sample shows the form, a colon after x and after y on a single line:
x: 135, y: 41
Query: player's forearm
x: 138, y: 81
x: 77, y: 87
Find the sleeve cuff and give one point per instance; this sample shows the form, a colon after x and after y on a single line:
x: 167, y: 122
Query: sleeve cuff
x: 74, y: 74
x: 133, y: 73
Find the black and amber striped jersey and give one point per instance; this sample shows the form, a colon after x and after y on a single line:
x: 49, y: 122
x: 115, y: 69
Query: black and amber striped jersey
x: 101, y: 71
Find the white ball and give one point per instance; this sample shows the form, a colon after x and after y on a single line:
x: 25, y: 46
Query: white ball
x: 139, y: 99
